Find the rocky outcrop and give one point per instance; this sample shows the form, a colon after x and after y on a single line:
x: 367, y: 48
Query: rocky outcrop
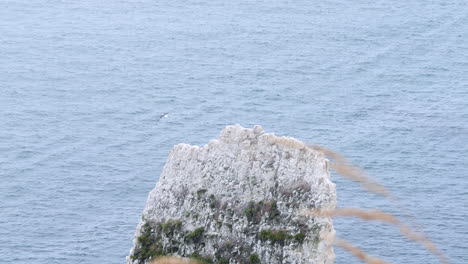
x: 237, y: 200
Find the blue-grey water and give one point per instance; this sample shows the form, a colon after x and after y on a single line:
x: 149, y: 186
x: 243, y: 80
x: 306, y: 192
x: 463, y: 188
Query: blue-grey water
x: 82, y: 84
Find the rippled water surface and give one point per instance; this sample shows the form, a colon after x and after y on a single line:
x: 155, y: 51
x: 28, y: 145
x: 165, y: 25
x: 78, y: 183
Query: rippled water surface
x: 83, y: 82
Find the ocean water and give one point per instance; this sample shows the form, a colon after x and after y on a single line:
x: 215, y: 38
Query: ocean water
x: 82, y: 84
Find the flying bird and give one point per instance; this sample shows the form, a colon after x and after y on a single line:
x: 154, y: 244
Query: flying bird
x: 162, y: 116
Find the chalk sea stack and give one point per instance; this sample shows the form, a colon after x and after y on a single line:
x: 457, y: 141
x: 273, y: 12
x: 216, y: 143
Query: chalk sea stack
x: 238, y: 200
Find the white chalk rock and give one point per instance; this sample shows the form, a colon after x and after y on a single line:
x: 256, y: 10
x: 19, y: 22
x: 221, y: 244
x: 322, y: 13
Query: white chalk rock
x: 237, y: 200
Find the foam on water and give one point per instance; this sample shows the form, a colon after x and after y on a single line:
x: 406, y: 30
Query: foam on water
x: 83, y: 83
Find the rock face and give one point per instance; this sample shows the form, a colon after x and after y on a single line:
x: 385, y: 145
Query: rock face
x: 237, y: 200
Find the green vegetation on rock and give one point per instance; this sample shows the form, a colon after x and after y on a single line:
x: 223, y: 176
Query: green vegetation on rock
x: 276, y: 236
x: 201, y: 259
x: 251, y: 211
x: 255, y: 211
x: 195, y: 235
x: 223, y: 261
x: 300, y: 237
x: 254, y: 259
x: 170, y: 226
x: 279, y: 236
x: 149, y: 245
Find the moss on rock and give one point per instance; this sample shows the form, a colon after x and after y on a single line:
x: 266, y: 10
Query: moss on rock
x: 196, y: 235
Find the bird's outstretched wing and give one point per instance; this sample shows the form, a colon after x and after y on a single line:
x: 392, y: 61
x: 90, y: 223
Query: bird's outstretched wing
x: 162, y: 116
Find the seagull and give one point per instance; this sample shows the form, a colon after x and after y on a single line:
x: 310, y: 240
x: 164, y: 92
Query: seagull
x: 162, y: 116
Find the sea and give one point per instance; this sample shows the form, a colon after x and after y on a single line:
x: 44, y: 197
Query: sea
x: 83, y: 84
